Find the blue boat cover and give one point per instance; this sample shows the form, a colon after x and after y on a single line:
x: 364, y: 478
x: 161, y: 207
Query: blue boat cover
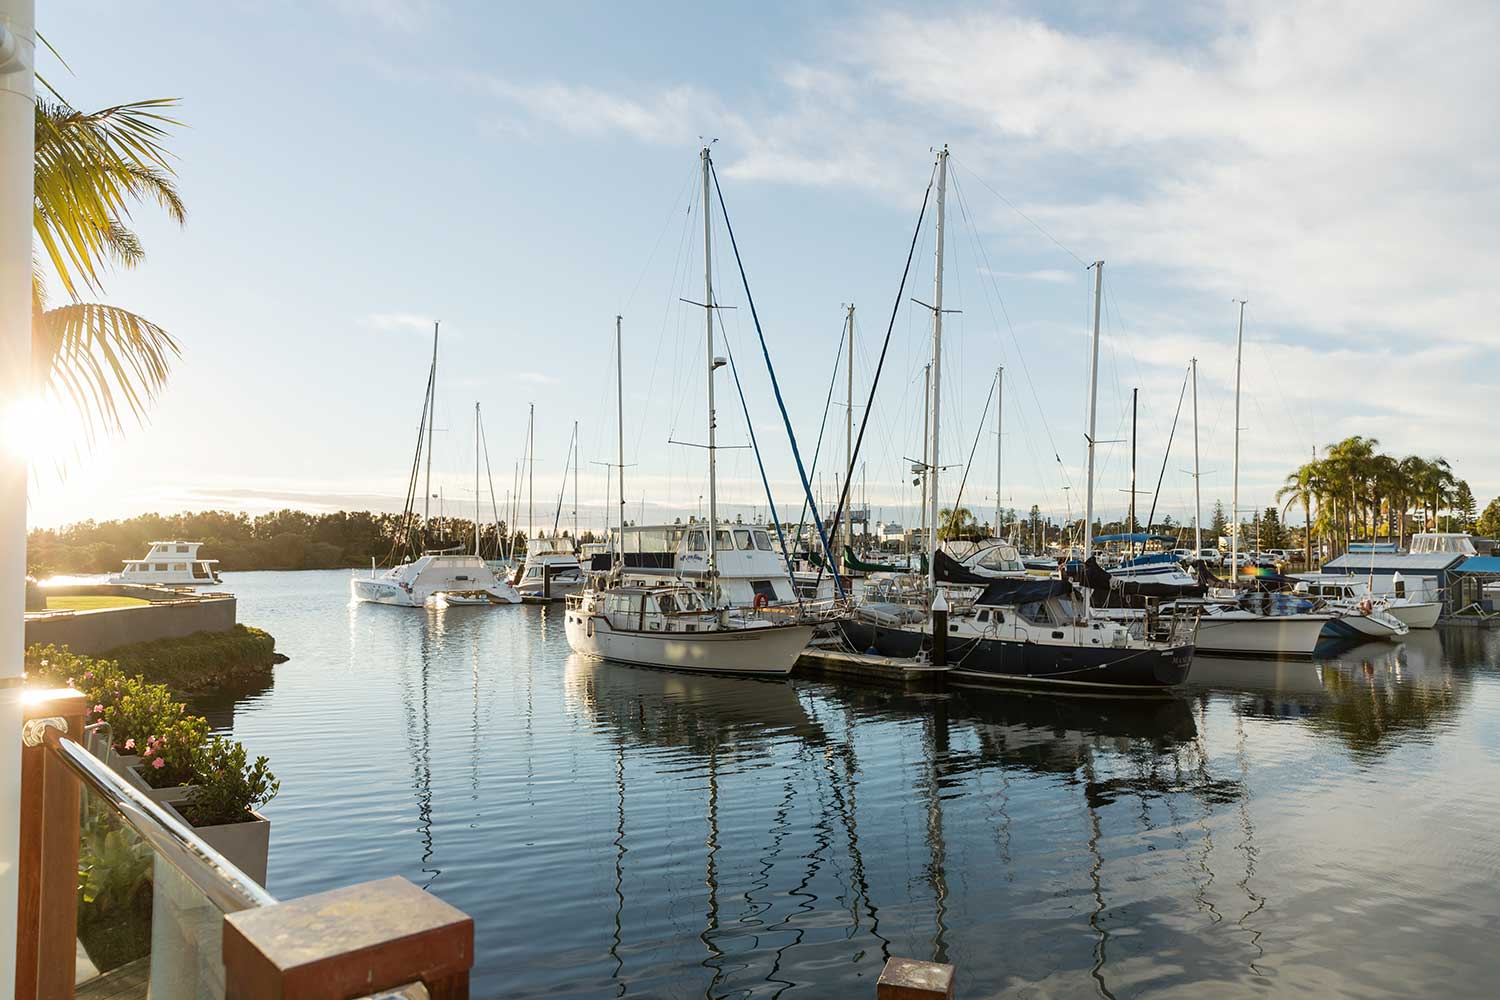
x: 1137, y: 536
x: 1015, y: 590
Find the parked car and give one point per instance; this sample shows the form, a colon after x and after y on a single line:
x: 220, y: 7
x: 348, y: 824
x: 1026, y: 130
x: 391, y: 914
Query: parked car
x: 1279, y: 555
x: 1208, y: 557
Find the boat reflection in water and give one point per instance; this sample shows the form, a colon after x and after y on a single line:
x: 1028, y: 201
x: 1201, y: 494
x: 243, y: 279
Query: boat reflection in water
x: 906, y: 787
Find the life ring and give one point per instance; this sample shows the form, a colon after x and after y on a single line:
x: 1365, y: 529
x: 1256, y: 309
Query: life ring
x: 761, y: 600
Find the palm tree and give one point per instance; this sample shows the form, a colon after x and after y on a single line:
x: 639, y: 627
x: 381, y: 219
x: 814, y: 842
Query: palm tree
x: 1301, y: 486
x: 91, y: 169
x: 958, y: 523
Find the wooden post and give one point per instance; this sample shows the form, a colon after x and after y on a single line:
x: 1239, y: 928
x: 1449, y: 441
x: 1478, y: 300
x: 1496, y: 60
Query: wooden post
x: 47, y: 915
x: 349, y: 942
x: 908, y: 979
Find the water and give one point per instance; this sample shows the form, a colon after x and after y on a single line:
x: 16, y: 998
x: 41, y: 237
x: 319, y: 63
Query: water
x: 1319, y: 829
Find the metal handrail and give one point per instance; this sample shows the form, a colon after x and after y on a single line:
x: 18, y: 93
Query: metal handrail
x: 228, y: 888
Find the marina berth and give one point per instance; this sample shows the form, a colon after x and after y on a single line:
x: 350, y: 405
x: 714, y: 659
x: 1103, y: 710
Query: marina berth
x: 170, y: 564
x: 551, y: 571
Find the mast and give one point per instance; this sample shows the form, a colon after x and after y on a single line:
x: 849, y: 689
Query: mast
x: 937, y: 371
x: 1234, y: 502
x: 999, y: 440
x: 849, y: 441
x: 926, y: 441
x: 531, y: 478
x: 431, y: 419
x: 620, y: 426
x: 1197, y: 493
x: 708, y: 315
x: 476, y: 478
x: 1088, y: 510
x: 575, y: 486
x: 1134, y: 394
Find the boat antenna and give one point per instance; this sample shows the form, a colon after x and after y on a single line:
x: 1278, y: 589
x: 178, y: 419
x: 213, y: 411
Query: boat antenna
x: 1234, y: 502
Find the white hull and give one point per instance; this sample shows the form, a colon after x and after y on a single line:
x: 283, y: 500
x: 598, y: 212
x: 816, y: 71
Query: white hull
x: 1364, y: 625
x: 1418, y: 615
x: 560, y: 588
x: 768, y: 650
x: 388, y: 590
x: 1244, y: 633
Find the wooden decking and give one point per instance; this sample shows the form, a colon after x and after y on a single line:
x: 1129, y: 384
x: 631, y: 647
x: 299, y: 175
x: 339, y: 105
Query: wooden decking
x: 130, y: 981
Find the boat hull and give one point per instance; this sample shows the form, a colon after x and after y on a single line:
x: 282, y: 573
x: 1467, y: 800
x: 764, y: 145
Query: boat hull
x: 1361, y: 627
x: 1025, y: 662
x: 1249, y: 634
x: 1418, y: 615
x: 383, y: 590
x: 752, y: 651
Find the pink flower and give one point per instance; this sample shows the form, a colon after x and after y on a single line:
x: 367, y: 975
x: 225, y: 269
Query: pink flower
x: 158, y: 763
x: 99, y: 709
x: 130, y: 743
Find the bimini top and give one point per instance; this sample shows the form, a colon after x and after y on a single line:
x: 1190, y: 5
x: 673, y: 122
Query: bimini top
x: 1135, y: 536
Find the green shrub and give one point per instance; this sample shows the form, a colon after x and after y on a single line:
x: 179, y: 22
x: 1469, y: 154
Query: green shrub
x: 114, y: 890
x: 143, y: 712
x: 225, y: 787
x: 201, y: 659
x: 169, y: 757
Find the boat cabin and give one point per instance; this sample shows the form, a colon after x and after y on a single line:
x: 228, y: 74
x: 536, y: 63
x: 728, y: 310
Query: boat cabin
x: 655, y: 609
x: 750, y: 565
x: 169, y: 563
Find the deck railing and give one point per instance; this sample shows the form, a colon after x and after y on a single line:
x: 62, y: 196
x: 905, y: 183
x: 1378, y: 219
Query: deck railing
x: 149, y: 883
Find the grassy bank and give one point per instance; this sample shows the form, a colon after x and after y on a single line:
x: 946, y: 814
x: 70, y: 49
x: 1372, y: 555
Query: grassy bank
x: 203, y: 661
x: 91, y: 602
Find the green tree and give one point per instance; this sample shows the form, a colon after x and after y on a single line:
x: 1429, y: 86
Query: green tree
x: 1219, y: 526
x: 1272, y: 534
x: 958, y: 523
x: 1465, y: 506
x: 1489, y: 521
x: 90, y: 170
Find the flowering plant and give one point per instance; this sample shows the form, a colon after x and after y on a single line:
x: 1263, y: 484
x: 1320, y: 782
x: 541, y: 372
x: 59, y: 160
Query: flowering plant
x: 167, y: 758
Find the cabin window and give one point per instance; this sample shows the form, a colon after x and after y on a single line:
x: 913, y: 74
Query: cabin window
x: 182, y: 548
x: 984, y: 615
x: 764, y: 589
x: 742, y: 539
x: 159, y: 567
x: 725, y: 544
x: 179, y: 567
x: 762, y: 541
x: 667, y: 604
x: 696, y: 542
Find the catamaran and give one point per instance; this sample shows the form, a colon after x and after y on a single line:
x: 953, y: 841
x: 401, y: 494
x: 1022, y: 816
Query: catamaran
x: 444, y: 575
x: 676, y: 626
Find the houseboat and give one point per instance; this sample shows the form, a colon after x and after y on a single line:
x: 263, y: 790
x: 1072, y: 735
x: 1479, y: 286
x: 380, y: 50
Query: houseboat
x: 170, y: 564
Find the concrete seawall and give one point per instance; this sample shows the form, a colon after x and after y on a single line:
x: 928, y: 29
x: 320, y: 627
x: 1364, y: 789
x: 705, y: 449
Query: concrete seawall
x: 89, y: 632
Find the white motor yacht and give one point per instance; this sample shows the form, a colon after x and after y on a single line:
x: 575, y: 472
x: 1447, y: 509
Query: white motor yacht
x: 170, y: 564
x: 551, y: 570
x: 1352, y: 593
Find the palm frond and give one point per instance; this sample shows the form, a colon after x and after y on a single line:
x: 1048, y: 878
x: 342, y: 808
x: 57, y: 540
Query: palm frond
x: 90, y: 169
x: 105, y: 361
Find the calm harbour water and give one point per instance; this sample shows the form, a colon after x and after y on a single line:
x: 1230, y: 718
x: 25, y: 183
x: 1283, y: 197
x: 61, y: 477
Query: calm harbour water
x: 1328, y: 828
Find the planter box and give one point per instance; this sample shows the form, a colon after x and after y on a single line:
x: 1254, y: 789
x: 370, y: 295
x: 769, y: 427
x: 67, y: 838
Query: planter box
x: 120, y: 763
x: 172, y: 793
x: 246, y: 845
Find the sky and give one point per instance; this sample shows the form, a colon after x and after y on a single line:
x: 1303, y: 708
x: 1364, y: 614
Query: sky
x: 523, y: 174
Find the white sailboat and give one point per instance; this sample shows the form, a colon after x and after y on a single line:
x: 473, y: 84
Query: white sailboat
x: 416, y: 582
x: 675, y: 626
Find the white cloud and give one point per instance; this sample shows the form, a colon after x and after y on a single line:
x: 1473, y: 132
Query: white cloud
x: 393, y: 15
x: 1052, y: 276
x: 535, y: 378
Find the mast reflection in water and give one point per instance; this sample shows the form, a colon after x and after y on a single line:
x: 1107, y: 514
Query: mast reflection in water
x: 1326, y: 826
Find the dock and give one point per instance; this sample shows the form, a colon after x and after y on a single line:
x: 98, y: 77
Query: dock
x: 869, y: 668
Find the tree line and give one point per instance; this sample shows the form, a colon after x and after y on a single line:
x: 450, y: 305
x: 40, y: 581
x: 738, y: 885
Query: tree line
x: 1356, y: 492
x: 282, y: 539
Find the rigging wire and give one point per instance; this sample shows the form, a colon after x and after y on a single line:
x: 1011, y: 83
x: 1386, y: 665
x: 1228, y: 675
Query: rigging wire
x: 827, y: 405
x: 1167, y: 454
x: 953, y: 514
x: 775, y: 385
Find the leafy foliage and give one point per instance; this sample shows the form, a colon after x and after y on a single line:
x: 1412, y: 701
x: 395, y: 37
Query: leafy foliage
x: 169, y: 758
x: 226, y: 787
x: 114, y: 889
x: 90, y: 170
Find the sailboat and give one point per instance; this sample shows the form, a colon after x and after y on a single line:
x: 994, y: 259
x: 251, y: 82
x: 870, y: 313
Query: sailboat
x: 677, y: 625
x: 417, y: 581
x: 552, y: 570
x: 1019, y: 630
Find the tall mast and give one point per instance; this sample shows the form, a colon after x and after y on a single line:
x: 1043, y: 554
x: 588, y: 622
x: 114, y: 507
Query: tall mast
x: 1088, y: 510
x: 531, y: 478
x: 1234, y: 502
x: 476, y: 478
x: 849, y: 440
x: 575, y: 486
x: 1197, y: 493
x: 937, y: 372
x: 708, y: 315
x: 620, y: 426
x: 1134, y: 395
x: 431, y: 419
x: 926, y: 444
x: 999, y: 440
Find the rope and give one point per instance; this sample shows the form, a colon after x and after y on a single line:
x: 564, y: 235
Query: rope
x: 766, y: 483
x: 775, y: 385
x: 1166, y: 455
x: 953, y: 516
x: 879, y: 366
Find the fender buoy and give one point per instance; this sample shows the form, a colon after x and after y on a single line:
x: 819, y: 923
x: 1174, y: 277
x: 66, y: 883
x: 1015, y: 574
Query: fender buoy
x: 761, y: 601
